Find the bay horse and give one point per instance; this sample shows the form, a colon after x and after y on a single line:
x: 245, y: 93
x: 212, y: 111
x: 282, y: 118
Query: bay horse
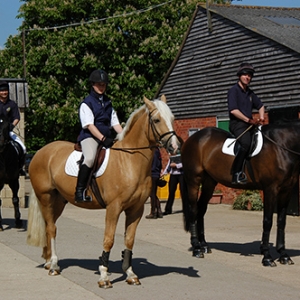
x: 275, y: 171
x: 125, y: 185
x: 9, y: 168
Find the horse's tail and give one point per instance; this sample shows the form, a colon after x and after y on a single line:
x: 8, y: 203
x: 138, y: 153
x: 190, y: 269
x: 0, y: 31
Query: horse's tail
x: 185, y: 206
x: 36, y: 227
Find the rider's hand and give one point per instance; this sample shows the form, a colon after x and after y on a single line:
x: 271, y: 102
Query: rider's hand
x: 261, y: 121
x: 108, y: 142
x: 253, y: 122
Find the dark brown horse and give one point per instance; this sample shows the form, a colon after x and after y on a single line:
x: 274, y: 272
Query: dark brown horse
x: 9, y: 168
x: 275, y: 171
x: 125, y: 186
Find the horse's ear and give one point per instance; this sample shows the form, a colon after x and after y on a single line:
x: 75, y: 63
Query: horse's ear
x: 163, y: 98
x: 150, y: 105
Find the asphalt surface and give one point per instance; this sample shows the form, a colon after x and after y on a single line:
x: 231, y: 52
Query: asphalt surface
x: 162, y: 259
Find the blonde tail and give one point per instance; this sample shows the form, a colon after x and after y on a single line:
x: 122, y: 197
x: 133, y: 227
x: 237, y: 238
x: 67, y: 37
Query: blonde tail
x: 36, y: 227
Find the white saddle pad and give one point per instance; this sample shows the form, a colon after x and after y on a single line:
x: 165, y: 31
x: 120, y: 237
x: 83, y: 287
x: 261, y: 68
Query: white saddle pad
x: 228, y: 146
x: 72, y: 167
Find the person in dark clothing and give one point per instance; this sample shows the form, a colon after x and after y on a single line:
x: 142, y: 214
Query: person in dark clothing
x: 174, y: 167
x: 10, y: 109
x: 155, y: 175
x: 241, y: 101
x: 97, y: 116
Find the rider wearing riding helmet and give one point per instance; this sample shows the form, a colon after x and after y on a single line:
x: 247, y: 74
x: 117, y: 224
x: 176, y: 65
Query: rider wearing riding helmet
x: 10, y: 109
x: 241, y: 100
x: 97, y: 116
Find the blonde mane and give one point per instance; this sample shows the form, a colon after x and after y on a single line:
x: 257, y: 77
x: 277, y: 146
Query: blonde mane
x: 163, y: 109
x: 132, y: 119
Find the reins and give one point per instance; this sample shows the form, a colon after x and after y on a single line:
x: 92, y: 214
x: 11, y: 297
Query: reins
x: 131, y: 149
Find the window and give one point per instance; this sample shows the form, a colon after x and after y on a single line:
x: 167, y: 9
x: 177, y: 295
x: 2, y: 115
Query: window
x: 193, y: 130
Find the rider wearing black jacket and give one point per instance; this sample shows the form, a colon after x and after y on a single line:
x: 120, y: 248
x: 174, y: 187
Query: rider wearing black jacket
x: 241, y: 101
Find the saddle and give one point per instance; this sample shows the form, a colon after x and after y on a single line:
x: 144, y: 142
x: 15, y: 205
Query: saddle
x: 231, y: 145
x: 254, y: 142
x: 19, y: 150
x: 100, y: 155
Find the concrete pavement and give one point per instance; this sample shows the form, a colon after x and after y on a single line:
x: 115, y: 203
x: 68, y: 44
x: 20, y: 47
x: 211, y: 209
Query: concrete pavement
x: 161, y: 258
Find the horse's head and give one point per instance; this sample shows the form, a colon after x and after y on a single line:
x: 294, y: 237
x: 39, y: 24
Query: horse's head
x: 161, y: 121
x: 4, y: 131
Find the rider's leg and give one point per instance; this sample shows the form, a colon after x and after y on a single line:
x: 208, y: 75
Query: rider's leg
x: 153, y: 211
x: 238, y: 175
x: 239, y: 129
x: 89, y: 150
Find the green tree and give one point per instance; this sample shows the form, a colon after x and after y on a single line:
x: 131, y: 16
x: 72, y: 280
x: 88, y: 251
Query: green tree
x: 66, y: 40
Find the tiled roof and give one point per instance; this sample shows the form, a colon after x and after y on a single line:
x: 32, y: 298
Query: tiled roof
x: 279, y: 24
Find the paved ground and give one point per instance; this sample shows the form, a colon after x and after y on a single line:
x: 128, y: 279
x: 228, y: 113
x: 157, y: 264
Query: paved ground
x: 161, y: 258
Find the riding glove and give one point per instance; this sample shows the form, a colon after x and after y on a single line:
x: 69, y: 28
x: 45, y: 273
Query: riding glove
x: 108, y: 142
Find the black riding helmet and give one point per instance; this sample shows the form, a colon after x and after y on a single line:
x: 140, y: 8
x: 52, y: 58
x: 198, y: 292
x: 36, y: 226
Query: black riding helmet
x: 98, y: 76
x: 245, y: 68
x: 4, y: 86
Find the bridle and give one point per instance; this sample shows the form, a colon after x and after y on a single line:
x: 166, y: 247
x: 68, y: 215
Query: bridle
x: 157, y: 136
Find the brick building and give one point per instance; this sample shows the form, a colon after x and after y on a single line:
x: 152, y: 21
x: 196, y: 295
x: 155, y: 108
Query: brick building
x: 218, y: 40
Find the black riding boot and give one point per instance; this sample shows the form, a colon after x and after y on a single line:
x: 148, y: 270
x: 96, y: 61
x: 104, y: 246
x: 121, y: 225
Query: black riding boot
x: 153, y: 212
x: 238, y: 175
x: 83, y: 177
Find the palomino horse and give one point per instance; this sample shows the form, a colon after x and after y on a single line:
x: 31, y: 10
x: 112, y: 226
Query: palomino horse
x: 275, y: 171
x: 124, y: 186
x: 9, y: 168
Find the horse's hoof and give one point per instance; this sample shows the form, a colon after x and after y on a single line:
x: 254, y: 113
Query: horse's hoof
x: 105, y: 284
x: 198, y: 253
x: 268, y: 262
x: 53, y: 272
x: 206, y: 249
x: 1, y: 228
x: 285, y: 260
x: 133, y: 281
x: 19, y: 224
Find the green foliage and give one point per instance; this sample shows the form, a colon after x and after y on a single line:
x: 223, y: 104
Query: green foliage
x: 248, y: 200
x: 135, y: 48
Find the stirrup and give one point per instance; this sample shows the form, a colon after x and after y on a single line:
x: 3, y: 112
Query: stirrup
x: 239, y: 178
x: 84, y: 197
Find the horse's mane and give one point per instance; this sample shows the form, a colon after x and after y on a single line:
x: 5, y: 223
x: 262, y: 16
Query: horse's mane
x: 130, y: 122
x: 163, y: 109
x: 283, y: 125
x: 286, y: 121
